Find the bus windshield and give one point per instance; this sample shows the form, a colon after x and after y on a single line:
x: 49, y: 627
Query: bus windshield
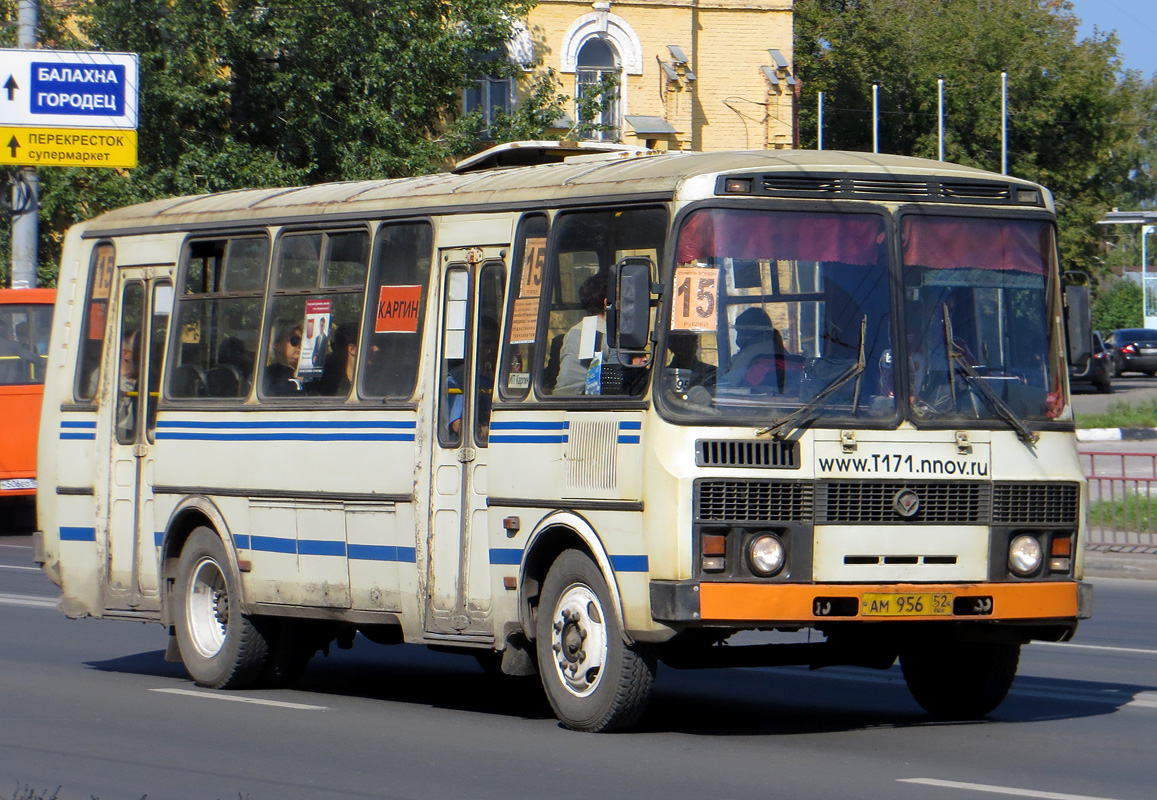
x: 978, y: 296
x: 24, y: 331
x: 777, y: 310
x: 779, y: 313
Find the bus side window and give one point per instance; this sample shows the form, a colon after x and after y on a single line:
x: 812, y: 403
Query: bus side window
x: 317, y: 297
x: 392, y: 346
x: 586, y: 245
x: 218, y: 318
x: 95, y: 316
x: 129, y: 367
x: 527, y: 271
x: 491, y: 288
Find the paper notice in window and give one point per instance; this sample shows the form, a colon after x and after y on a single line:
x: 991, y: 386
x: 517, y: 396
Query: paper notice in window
x: 696, y: 306
x: 524, y: 320
x: 532, y: 268
x: 398, y: 309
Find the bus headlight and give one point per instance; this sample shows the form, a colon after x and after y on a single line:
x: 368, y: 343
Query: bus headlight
x: 766, y: 554
x: 1024, y: 555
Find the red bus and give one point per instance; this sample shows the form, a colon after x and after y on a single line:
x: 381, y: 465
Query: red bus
x: 25, y: 326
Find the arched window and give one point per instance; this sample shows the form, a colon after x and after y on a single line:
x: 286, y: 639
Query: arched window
x: 598, y: 77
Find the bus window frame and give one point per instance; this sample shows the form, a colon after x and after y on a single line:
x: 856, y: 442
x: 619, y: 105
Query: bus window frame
x: 369, y: 305
x: 86, y: 320
x: 582, y: 401
x: 1035, y: 214
x: 179, y: 278
x: 514, y: 282
x: 304, y: 398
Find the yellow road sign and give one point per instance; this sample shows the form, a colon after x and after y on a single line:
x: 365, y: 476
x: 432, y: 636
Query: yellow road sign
x: 67, y: 147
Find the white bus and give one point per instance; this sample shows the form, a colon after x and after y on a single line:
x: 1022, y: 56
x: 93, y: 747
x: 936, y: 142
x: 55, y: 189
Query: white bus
x: 576, y: 418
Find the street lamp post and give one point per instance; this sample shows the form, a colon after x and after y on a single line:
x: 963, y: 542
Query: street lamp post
x: 1147, y: 321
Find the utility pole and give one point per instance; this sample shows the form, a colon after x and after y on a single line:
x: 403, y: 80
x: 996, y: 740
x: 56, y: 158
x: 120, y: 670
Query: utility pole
x: 26, y: 187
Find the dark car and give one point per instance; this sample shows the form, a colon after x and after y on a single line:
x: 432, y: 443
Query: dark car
x: 1133, y: 350
x: 1098, y: 370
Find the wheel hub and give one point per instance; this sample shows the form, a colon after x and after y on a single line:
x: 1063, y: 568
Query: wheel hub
x: 579, y: 639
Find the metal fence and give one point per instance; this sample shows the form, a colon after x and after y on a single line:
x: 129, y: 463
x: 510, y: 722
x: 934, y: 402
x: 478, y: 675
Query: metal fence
x: 1121, y: 502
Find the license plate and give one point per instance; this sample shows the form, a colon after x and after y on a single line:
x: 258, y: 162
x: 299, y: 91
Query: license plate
x: 915, y: 604
x: 12, y: 484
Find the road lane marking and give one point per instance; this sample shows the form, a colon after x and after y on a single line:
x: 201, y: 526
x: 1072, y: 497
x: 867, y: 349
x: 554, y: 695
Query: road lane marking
x: 18, y: 546
x: 1101, y: 647
x: 234, y: 699
x: 13, y: 566
x: 983, y: 787
x: 27, y: 600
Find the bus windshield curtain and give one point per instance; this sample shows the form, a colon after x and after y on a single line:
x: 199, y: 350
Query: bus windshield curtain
x: 781, y: 236
x: 957, y: 243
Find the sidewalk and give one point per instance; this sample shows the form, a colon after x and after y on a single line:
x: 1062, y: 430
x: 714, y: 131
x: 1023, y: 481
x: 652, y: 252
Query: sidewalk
x: 1121, y: 561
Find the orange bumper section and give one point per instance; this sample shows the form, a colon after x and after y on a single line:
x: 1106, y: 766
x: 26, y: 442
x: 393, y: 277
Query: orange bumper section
x: 746, y: 602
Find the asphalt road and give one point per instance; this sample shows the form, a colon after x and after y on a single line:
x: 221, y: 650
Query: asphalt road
x: 91, y: 707
x: 1132, y: 389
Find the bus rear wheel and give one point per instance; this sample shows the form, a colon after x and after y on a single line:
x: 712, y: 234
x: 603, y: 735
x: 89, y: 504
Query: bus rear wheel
x: 594, y: 681
x: 957, y: 680
x: 220, y: 647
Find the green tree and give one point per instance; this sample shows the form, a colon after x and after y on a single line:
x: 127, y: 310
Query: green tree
x: 1073, y: 119
x: 252, y: 93
x: 1120, y: 307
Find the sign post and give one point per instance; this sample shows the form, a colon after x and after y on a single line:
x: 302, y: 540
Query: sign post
x: 60, y: 108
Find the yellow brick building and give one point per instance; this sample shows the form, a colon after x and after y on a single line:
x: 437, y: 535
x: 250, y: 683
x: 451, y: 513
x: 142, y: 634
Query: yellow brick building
x: 693, y: 74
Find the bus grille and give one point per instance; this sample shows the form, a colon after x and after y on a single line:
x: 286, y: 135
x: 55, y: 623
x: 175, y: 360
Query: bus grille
x: 768, y: 454
x: 761, y: 501
x: 1035, y: 503
x: 896, y: 187
x: 873, y: 503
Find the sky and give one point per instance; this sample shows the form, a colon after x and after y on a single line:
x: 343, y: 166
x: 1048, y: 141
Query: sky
x: 1135, y: 22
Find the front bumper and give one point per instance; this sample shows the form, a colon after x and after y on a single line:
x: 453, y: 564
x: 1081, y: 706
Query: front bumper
x: 765, y: 604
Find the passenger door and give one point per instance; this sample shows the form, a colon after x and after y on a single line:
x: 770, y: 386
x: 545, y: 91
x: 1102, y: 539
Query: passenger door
x: 458, y: 567
x: 136, y: 355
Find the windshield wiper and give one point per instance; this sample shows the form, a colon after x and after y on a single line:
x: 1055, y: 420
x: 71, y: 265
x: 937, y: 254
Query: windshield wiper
x: 974, y: 378
x: 793, y: 420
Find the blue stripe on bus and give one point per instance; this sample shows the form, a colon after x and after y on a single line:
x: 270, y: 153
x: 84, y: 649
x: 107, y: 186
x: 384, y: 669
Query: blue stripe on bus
x: 77, y: 534
x: 628, y: 440
x: 78, y: 436
x: 320, y: 547
x: 273, y: 544
x: 629, y: 563
x: 288, y: 437
x: 158, y: 538
x: 78, y: 423
x: 382, y: 552
x: 630, y: 426
x: 241, y: 541
x: 506, y: 555
x: 259, y: 424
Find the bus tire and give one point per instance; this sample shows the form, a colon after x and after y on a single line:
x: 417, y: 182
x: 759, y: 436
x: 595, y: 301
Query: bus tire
x: 959, y: 680
x: 220, y: 647
x: 593, y: 680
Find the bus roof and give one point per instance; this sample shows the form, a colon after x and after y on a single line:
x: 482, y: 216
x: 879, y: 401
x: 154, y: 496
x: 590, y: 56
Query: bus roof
x: 623, y: 175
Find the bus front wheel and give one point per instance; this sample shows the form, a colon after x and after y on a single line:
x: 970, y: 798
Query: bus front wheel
x: 960, y: 680
x: 220, y: 647
x: 595, y: 682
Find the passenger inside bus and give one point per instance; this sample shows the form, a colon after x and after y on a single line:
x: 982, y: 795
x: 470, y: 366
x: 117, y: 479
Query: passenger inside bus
x: 759, y: 362
x: 580, y: 372
x: 337, y: 375
x: 127, y: 393
x: 280, y: 374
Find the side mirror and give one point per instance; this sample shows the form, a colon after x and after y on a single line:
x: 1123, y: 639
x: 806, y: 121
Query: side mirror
x: 1078, y: 319
x: 629, y: 305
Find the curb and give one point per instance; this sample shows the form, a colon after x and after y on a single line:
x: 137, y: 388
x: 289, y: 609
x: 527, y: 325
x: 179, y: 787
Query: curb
x: 1116, y: 434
